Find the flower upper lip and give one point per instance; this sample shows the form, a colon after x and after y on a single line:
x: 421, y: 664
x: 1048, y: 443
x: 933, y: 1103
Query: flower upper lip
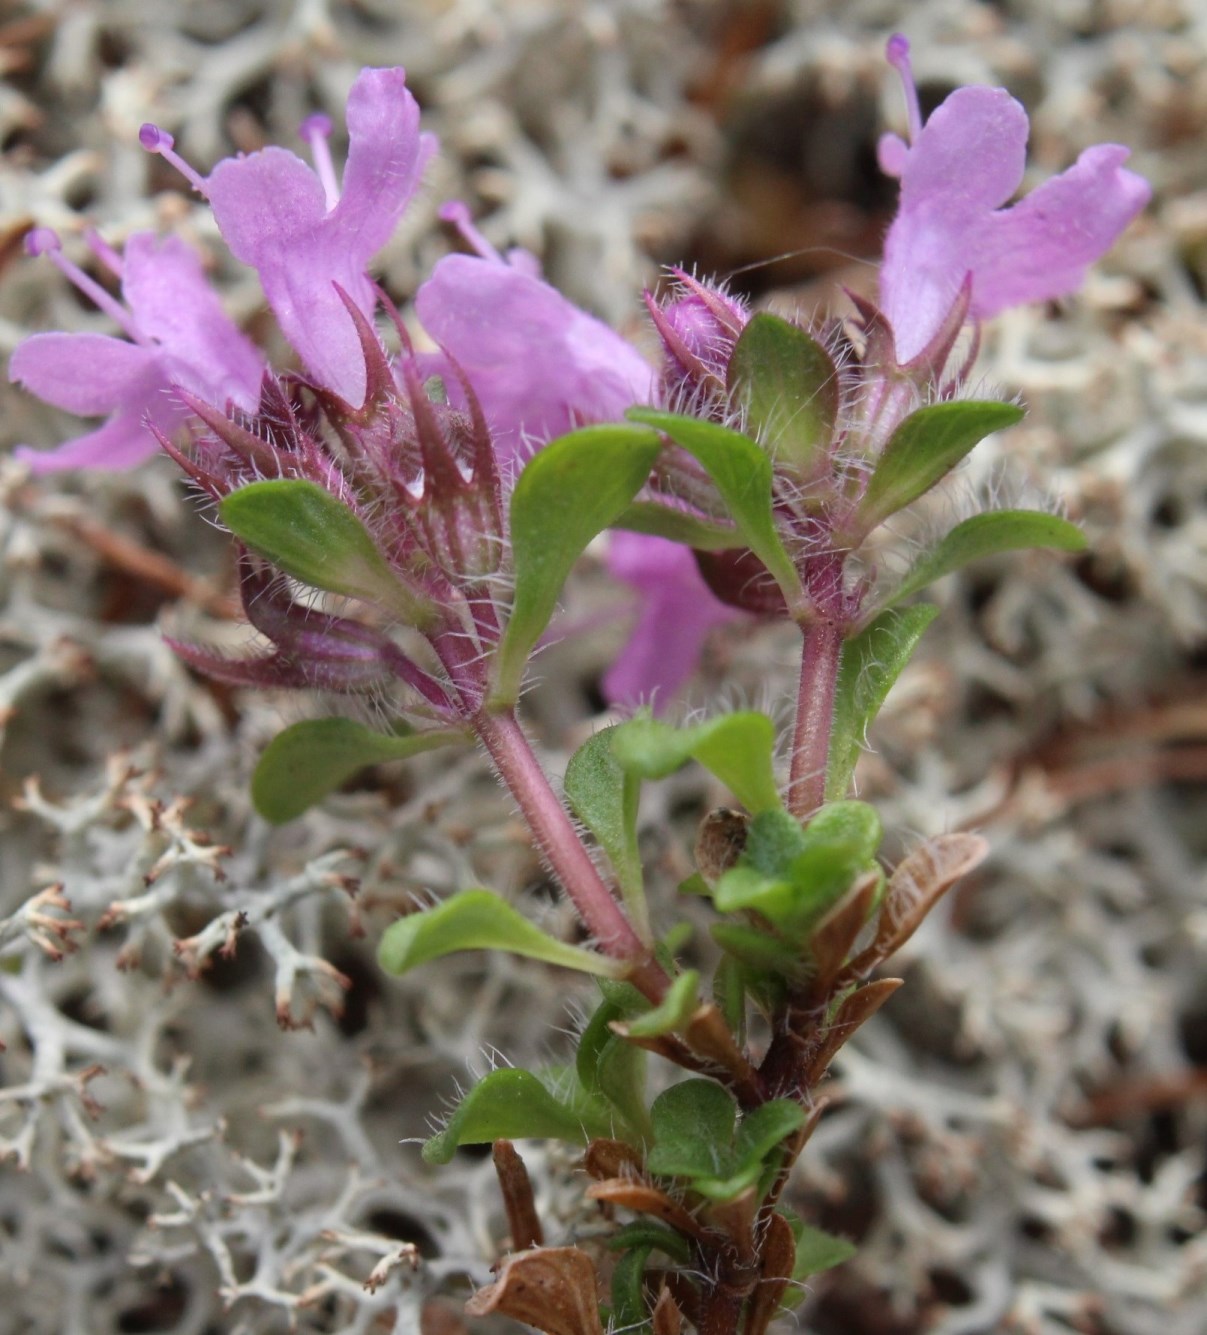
x: 957, y: 175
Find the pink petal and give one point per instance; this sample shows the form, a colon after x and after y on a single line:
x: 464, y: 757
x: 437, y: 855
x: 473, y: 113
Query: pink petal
x: 172, y: 302
x: 538, y: 364
x: 971, y: 153
x: 88, y: 374
x: 121, y: 443
x: 272, y: 212
x: 386, y: 157
x: 677, y: 612
x: 1042, y: 247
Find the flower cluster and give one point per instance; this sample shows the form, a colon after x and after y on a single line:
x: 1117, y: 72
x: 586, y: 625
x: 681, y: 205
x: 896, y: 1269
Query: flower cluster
x: 518, y: 364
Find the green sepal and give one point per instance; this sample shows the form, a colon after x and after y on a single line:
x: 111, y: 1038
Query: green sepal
x: 301, y: 765
x: 924, y: 449
x: 987, y: 535
x: 603, y: 795
x: 788, y: 386
x: 480, y: 920
x: 515, y: 1105
x: 737, y: 748
x: 742, y: 474
x: 871, y: 663
x: 316, y: 539
x: 567, y: 494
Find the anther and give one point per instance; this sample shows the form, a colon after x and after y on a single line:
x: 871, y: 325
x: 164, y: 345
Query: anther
x: 897, y: 52
x: 155, y: 140
x: 457, y: 214
x: 45, y: 241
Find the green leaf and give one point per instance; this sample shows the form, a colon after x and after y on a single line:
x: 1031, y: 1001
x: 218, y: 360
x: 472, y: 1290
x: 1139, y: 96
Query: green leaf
x: 679, y: 526
x: 609, y: 1067
x: 317, y: 539
x: 788, y: 385
x: 569, y: 492
x: 301, y: 765
x: 630, y: 1311
x: 925, y: 448
x: 655, y: 1237
x: 763, y: 1128
x: 480, y: 920
x: 682, y: 998
x: 693, y: 1130
x: 737, y: 748
x: 604, y: 797
x: 817, y: 1250
x: 758, y: 949
x: 742, y: 473
x: 516, y: 1105
x: 987, y: 535
x: 871, y: 663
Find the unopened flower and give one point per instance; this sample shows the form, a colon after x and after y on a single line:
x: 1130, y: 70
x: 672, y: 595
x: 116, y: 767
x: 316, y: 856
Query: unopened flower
x: 304, y: 235
x: 957, y: 173
x: 538, y: 364
x: 178, y: 336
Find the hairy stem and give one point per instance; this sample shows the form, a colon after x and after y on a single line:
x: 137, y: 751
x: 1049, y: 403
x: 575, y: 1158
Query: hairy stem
x: 814, y: 717
x: 558, y: 841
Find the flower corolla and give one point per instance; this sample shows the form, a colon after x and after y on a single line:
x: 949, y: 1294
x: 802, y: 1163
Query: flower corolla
x: 178, y: 336
x: 957, y: 173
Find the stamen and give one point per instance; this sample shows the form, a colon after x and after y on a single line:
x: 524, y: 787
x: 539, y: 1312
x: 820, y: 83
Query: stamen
x: 104, y: 252
x: 457, y: 213
x: 897, y: 52
x: 315, y: 131
x: 155, y: 140
x: 45, y: 241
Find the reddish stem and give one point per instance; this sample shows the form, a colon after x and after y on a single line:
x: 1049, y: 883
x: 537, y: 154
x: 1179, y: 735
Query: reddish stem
x: 814, y: 717
x: 558, y: 841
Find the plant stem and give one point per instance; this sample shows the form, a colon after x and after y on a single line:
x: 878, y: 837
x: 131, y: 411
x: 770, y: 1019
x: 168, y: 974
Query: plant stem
x: 558, y: 841
x: 814, y: 716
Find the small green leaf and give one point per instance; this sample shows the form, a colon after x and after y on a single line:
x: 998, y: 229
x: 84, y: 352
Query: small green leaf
x: 737, y: 748
x: 682, y: 998
x: 925, y: 448
x: 788, y: 385
x: 987, y: 535
x: 480, y: 920
x: 316, y: 539
x: 609, y: 1067
x: 301, y: 765
x: 758, y: 949
x: 516, y: 1105
x: 742, y: 473
x: 630, y: 1311
x: 569, y: 492
x: 604, y: 797
x: 763, y: 1128
x: 817, y: 1250
x: 655, y: 1237
x: 693, y: 1130
x: 871, y: 662
x: 852, y: 822
x: 680, y: 526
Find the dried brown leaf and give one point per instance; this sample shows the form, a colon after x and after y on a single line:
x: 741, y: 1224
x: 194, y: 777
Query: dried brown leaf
x: 858, y: 1008
x: 551, y: 1288
x: 779, y: 1256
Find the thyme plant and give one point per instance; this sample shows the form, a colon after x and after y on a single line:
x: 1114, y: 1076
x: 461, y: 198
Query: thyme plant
x: 405, y: 526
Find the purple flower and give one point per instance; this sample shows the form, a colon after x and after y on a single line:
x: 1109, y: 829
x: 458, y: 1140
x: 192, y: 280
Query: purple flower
x: 538, y: 364
x: 179, y: 335
x: 957, y: 172
x: 303, y: 235
x: 676, y: 613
